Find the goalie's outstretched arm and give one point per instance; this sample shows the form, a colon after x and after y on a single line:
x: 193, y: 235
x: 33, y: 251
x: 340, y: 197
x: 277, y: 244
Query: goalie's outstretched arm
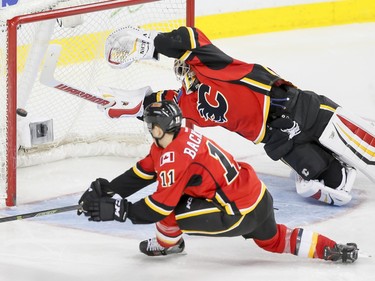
x: 176, y: 43
x: 129, y: 44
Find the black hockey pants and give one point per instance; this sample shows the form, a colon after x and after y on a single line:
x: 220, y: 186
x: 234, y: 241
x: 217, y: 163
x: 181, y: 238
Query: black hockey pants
x: 197, y: 216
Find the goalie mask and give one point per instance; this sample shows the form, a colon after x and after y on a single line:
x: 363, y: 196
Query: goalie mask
x: 165, y: 114
x: 185, y: 75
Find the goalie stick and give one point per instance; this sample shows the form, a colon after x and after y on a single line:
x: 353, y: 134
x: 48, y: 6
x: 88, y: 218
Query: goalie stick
x: 47, y: 78
x: 40, y: 213
x: 123, y: 108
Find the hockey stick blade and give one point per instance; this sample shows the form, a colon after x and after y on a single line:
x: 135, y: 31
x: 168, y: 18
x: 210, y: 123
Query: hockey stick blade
x: 47, y: 78
x: 40, y: 213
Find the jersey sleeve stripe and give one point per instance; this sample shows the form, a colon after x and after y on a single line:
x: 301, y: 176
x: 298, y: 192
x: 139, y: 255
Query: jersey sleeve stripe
x: 193, y: 43
x: 141, y: 174
x: 156, y: 208
x: 270, y: 71
x: 185, y: 56
x: 263, y: 87
x: 159, y: 96
x: 327, y: 107
x: 266, y: 109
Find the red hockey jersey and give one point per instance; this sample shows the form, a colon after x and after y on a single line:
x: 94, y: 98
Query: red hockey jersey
x: 233, y: 94
x: 195, y: 165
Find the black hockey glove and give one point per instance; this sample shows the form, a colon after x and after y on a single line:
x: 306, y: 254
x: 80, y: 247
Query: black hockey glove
x: 107, y: 209
x: 98, y: 188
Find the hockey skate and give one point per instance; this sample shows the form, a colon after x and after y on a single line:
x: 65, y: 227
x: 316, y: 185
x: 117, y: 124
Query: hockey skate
x: 151, y: 247
x: 345, y: 253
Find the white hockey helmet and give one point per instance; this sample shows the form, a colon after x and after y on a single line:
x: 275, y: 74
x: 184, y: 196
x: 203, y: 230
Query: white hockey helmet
x: 185, y: 75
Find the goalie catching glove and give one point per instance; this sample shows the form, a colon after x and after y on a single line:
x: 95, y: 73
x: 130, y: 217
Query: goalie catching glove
x: 129, y: 44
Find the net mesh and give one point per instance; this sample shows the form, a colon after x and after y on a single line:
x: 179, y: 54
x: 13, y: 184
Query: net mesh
x: 79, y: 127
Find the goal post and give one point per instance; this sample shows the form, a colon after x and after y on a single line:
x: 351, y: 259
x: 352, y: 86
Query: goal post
x: 59, y: 125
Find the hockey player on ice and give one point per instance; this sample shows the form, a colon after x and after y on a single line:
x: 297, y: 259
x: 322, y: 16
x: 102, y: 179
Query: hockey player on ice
x: 321, y: 141
x: 201, y: 190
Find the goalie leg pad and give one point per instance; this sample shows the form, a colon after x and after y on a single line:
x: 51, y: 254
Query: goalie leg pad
x: 348, y: 175
x: 352, y: 139
x: 317, y: 190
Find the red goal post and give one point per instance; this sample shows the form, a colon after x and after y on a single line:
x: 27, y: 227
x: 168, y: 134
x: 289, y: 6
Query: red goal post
x: 65, y: 121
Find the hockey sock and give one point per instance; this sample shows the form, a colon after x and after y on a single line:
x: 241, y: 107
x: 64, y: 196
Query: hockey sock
x: 168, y: 232
x: 309, y: 244
x: 278, y: 243
x: 296, y: 241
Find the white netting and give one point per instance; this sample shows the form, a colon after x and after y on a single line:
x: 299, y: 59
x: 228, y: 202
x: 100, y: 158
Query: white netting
x: 79, y: 128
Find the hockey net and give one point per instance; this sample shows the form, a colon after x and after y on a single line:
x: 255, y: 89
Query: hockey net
x: 58, y: 124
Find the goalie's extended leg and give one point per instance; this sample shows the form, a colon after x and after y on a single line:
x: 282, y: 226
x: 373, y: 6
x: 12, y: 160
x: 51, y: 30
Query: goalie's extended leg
x: 352, y: 139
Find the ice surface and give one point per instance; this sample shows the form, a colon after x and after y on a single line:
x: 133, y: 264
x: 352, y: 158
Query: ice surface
x: 334, y: 61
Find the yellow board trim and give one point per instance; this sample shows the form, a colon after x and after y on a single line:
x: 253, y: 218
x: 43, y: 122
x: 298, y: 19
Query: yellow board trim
x: 232, y: 24
x: 274, y: 19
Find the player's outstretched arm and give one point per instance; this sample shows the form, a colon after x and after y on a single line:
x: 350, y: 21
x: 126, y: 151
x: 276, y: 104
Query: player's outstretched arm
x: 98, y: 188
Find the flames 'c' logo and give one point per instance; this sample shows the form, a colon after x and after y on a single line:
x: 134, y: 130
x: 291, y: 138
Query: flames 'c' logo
x: 211, y: 105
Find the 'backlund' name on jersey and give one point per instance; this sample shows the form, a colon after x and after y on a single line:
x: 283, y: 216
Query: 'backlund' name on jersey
x: 195, y: 165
